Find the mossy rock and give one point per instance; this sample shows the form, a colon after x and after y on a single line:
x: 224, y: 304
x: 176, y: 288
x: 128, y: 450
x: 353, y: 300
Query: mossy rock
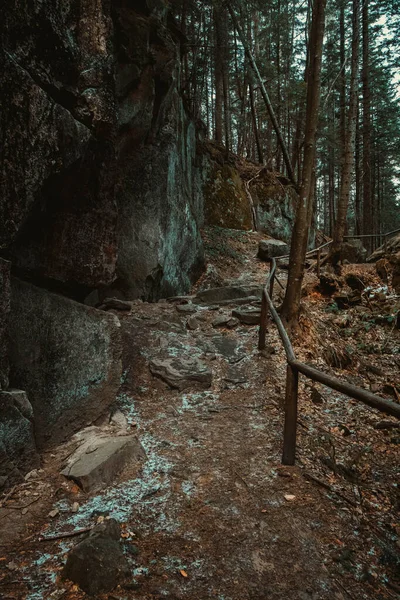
x: 225, y: 200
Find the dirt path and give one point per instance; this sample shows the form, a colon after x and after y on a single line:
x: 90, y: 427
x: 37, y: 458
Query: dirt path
x: 211, y: 513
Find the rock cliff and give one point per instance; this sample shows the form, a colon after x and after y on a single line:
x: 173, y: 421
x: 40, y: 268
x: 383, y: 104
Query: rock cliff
x: 102, y: 193
x: 99, y: 195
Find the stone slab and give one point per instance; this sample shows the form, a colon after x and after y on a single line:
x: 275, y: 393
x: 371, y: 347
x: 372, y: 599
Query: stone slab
x: 271, y: 249
x: 99, y: 460
x: 227, y: 293
x: 182, y: 373
x: 249, y: 315
x: 67, y: 357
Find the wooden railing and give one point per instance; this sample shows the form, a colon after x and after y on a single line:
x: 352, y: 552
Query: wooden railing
x: 294, y: 367
x: 381, y: 236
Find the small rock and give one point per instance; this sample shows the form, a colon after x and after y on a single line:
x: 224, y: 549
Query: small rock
x: 221, y: 321
x: 186, y: 308
x: 53, y: 513
x: 12, y: 566
x: 192, y: 323
x: 316, y: 396
x: 97, y: 564
x: 289, y: 497
x: 75, y: 507
x: 232, y: 323
x: 119, y: 419
x: 235, y: 376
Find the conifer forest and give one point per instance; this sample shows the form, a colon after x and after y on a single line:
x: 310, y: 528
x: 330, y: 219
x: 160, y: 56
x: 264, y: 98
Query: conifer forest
x: 200, y: 300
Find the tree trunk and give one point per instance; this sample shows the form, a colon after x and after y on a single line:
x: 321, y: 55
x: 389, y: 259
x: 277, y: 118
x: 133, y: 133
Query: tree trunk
x: 367, y: 196
x: 219, y: 75
x: 291, y: 303
x: 350, y: 136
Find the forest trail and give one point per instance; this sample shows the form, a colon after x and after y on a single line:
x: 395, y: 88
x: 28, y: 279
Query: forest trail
x: 211, y: 513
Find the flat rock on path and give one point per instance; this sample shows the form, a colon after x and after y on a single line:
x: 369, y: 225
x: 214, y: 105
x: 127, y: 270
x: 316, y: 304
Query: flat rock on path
x: 99, y: 460
x: 249, y: 315
x: 227, y: 294
x: 182, y: 373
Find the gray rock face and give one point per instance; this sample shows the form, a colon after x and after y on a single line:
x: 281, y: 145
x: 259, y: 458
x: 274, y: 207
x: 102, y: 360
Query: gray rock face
x: 271, y: 249
x: 4, y: 310
x: 99, y: 460
x: 98, y: 159
x: 182, y: 374
x: 223, y: 294
x: 275, y: 206
x: 18, y: 452
x: 98, y: 564
x: 66, y: 355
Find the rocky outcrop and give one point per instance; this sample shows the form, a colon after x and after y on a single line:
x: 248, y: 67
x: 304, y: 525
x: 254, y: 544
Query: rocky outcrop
x: 234, y: 187
x: 99, y: 194
x: 99, y: 184
x: 68, y: 357
x: 226, y: 202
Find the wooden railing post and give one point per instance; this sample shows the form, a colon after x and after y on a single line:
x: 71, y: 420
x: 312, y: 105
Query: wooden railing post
x: 319, y: 262
x: 263, y: 322
x: 290, y: 428
x: 271, y: 284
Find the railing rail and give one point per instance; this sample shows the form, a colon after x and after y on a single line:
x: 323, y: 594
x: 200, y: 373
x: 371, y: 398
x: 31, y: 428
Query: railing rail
x: 294, y: 367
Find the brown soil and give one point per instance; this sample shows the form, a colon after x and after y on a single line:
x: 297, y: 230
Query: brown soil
x: 212, y: 513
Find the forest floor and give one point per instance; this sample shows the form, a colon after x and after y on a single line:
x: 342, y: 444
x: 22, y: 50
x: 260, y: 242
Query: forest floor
x: 211, y: 513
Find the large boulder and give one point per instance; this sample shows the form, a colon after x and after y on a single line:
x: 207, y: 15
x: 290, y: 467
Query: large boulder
x: 275, y: 205
x: 353, y: 251
x: 268, y: 249
x: 226, y: 203
x: 18, y: 452
x: 66, y: 355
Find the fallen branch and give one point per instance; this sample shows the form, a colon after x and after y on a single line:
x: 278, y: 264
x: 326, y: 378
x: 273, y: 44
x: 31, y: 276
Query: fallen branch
x: 61, y: 536
x: 329, y: 487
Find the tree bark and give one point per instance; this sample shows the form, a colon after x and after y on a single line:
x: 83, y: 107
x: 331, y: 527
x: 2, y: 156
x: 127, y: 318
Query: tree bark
x: 291, y: 303
x: 219, y: 75
x: 347, y: 169
x: 367, y: 196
